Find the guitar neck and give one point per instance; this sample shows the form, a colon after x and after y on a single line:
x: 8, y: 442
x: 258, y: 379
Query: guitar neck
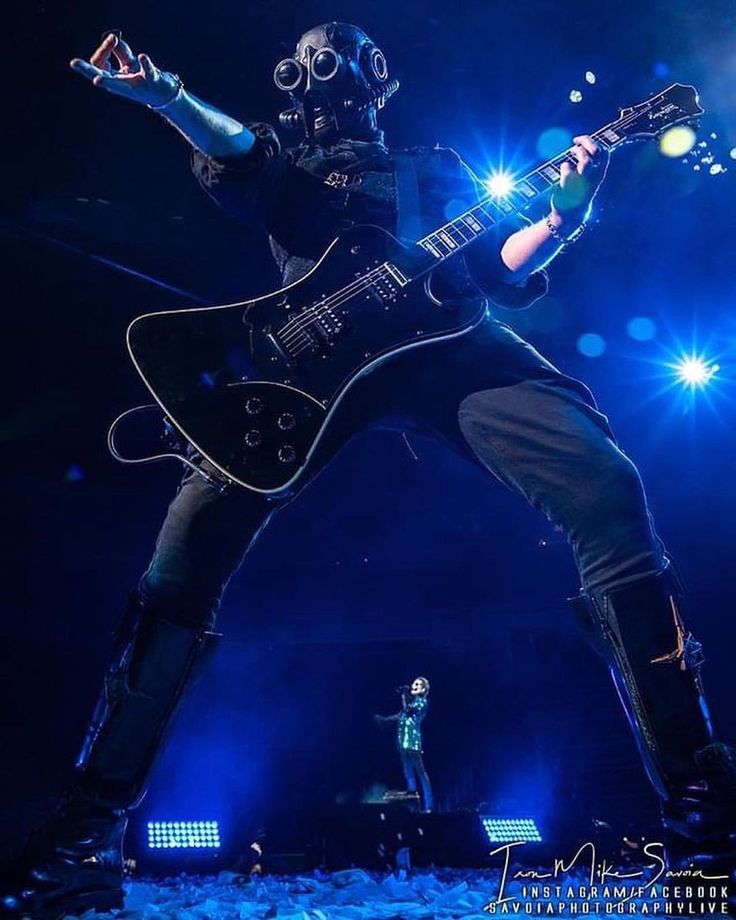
x: 491, y: 210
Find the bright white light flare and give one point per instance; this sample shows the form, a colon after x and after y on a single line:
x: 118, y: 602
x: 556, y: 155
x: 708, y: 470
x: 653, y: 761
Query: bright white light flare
x: 695, y: 372
x: 500, y: 184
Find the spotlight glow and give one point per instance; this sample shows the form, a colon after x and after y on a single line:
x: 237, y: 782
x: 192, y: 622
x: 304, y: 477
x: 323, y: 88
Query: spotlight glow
x: 694, y: 371
x: 641, y: 328
x: 552, y: 141
x: 591, y: 345
x: 677, y: 141
x: 185, y: 835
x: 510, y: 830
x: 499, y: 184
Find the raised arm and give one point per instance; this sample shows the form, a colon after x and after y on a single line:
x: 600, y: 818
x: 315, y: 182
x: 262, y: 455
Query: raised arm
x: 116, y: 69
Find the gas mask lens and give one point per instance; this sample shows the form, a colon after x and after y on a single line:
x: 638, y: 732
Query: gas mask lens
x: 289, y: 73
x: 325, y: 64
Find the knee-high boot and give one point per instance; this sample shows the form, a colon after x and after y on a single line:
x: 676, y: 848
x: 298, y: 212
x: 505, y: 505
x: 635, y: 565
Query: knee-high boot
x: 656, y: 667
x: 75, y: 862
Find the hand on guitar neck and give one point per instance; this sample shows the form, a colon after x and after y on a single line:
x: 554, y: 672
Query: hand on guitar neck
x: 534, y: 246
x: 579, y: 184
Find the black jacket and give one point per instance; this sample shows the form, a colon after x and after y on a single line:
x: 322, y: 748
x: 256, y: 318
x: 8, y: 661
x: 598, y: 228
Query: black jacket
x: 304, y: 196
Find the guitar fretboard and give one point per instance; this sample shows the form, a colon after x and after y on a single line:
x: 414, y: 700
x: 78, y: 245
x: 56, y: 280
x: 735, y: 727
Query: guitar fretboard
x: 491, y: 210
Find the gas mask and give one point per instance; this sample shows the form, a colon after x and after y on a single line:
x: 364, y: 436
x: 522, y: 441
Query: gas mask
x: 337, y: 82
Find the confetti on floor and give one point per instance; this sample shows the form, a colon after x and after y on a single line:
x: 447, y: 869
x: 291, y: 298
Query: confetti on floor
x: 358, y: 895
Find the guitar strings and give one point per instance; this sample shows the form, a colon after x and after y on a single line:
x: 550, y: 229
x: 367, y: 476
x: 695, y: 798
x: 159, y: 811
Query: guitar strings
x: 597, y: 135
x: 303, y: 321
x: 364, y: 284
x: 284, y: 331
x: 299, y: 323
x: 341, y: 296
x: 307, y: 341
x: 341, y: 290
x: 297, y: 326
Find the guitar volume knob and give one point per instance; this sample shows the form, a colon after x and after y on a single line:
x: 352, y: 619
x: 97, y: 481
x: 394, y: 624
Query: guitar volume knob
x: 254, y: 405
x: 287, y: 454
x: 286, y: 421
x: 252, y: 438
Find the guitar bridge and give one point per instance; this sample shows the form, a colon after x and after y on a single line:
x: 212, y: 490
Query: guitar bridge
x: 286, y: 358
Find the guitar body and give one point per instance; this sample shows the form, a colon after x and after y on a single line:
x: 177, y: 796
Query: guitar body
x: 254, y: 385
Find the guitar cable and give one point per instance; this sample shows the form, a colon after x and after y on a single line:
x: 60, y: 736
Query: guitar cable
x: 169, y: 455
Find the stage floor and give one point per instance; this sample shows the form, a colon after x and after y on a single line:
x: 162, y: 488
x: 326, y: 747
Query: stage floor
x: 357, y: 895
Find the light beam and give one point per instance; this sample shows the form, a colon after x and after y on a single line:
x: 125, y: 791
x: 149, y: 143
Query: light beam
x: 695, y: 371
x: 499, y: 184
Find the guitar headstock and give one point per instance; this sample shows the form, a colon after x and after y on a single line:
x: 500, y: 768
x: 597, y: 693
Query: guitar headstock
x: 678, y: 104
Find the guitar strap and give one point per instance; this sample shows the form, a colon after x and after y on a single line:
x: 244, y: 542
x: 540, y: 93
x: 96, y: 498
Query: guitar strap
x: 408, y: 216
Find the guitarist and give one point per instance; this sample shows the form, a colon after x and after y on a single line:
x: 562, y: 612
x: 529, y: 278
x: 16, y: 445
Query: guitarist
x: 488, y: 394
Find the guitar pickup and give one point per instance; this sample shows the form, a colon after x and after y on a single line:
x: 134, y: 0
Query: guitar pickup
x: 329, y: 324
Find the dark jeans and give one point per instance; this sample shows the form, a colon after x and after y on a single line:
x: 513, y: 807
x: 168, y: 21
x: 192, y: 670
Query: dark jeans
x: 415, y: 774
x: 498, y: 404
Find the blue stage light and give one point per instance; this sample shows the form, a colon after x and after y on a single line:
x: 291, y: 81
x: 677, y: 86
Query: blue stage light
x: 641, y: 328
x: 183, y: 835
x: 510, y: 830
x: 591, y: 345
x: 694, y: 371
x: 499, y: 184
x: 75, y: 473
x: 552, y: 141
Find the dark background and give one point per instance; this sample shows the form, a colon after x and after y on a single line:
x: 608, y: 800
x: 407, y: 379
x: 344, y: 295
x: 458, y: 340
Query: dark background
x: 388, y: 566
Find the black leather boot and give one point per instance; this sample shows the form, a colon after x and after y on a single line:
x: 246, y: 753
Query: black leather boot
x: 700, y: 819
x: 75, y: 862
x: 71, y: 865
x: 656, y: 667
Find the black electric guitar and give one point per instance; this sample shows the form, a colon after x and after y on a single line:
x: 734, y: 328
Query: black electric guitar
x: 253, y: 386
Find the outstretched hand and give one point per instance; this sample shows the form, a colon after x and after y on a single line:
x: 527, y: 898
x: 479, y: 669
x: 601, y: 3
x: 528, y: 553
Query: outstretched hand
x: 579, y: 183
x: 115, y: 68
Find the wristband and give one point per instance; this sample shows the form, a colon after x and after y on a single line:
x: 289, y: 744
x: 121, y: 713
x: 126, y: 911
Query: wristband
x: 566, y: 240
